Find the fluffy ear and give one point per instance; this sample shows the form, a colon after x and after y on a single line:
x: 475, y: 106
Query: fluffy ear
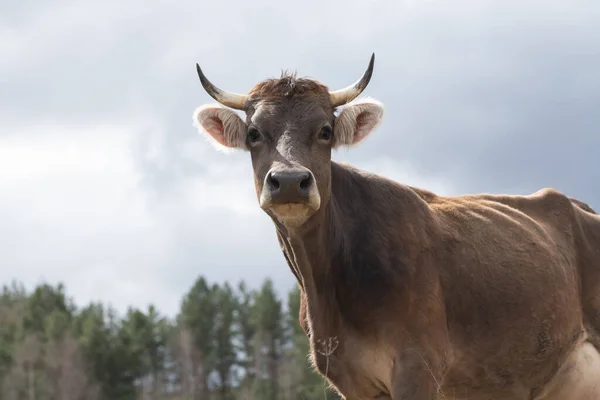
x: 356, y: 121
x: 222, y: 126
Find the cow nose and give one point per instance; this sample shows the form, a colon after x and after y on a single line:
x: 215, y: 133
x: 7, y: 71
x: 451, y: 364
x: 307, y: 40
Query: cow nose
x: 289, y: 186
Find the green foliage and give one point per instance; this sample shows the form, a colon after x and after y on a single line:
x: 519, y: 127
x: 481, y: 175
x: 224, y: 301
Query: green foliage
x: 225, y: 344
x: 198, y: 314
x: 308, y: 384
x: 245, y: 330
x: 225, y: 355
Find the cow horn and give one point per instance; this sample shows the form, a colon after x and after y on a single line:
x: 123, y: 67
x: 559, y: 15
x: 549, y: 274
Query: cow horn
x: 233, y: 100
x: 343, y: 96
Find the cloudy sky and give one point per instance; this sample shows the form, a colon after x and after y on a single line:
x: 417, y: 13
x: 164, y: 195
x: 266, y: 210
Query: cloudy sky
x: 106, y: 186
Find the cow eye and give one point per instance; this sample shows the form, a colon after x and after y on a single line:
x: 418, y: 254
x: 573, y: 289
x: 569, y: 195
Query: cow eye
x: 326, y: 133
x: 253, y: 135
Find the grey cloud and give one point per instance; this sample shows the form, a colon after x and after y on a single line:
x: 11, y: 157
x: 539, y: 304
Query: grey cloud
x: 489, y: 102
x: 479, y: 98
x: 495, y: 109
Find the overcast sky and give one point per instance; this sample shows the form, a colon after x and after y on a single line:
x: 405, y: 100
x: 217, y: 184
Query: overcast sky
x: 106, y: 186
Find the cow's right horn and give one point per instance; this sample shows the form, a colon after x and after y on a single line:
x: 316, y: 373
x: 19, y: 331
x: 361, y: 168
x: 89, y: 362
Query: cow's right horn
x: 233, y: 100
x: 343, y: 96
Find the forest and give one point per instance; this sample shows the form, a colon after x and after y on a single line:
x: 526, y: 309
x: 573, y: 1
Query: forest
x: 226, y: 342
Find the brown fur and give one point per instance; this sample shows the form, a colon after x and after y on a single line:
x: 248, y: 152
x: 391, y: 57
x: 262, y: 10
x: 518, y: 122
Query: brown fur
x: 287, y: 85
x: 484, y: 289
x: 406, y: 294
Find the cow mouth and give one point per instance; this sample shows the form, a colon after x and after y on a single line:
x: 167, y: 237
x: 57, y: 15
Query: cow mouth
x: 292, y: 214
x: 290, y: 209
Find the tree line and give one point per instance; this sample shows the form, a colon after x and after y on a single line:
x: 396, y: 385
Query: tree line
x: 226, y: 342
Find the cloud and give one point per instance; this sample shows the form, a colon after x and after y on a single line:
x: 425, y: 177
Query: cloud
x: 71, y: 211
x: 107, y: 186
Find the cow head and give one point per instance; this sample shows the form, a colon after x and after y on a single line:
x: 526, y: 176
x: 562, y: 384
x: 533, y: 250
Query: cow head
x: 290, y: 128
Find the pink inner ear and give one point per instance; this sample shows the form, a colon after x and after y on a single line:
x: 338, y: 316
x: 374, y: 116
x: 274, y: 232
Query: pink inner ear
x: 214, y: 126
x: 362, y: 125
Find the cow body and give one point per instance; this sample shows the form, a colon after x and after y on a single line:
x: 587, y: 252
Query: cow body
x: 474, y: 297
x: 407, y: 295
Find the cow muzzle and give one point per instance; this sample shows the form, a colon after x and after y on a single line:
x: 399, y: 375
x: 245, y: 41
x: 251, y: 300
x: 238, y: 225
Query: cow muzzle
x: 290, y: 194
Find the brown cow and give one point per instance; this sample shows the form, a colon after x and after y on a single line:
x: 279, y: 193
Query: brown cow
x: 407, y: 294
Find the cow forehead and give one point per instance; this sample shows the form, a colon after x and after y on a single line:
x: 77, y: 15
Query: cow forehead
x: 289, y: 84
x: 289, y: 114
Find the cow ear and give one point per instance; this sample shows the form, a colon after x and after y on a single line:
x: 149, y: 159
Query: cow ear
x: 222, y: 126
x: 356, y: 120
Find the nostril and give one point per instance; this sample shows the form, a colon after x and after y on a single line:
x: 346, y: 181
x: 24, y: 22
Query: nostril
x: 305, y: 183
x: 272, y: 181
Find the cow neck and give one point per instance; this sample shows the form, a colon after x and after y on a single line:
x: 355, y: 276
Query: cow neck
x: 309, y: 253
x: 310, y: 250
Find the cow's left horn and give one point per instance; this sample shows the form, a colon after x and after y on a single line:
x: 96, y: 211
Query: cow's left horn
x: 233, y: 100
x: 343, y: 96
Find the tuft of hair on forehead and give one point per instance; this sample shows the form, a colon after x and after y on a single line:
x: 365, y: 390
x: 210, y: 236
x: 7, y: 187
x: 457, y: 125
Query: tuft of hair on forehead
x: 287, y: 85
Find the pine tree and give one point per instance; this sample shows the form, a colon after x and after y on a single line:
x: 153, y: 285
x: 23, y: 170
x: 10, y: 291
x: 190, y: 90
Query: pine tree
x: 225, y: 355
x: 267, y: 317
x: 198, y: 313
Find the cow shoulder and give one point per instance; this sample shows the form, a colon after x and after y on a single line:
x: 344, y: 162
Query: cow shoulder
x: 378, y: 241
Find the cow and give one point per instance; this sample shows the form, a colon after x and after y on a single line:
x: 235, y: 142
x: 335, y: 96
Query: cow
x: 408, y: 294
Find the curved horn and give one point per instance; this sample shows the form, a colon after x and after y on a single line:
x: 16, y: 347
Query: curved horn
x: 343, y: 96
x: 233, y: 100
